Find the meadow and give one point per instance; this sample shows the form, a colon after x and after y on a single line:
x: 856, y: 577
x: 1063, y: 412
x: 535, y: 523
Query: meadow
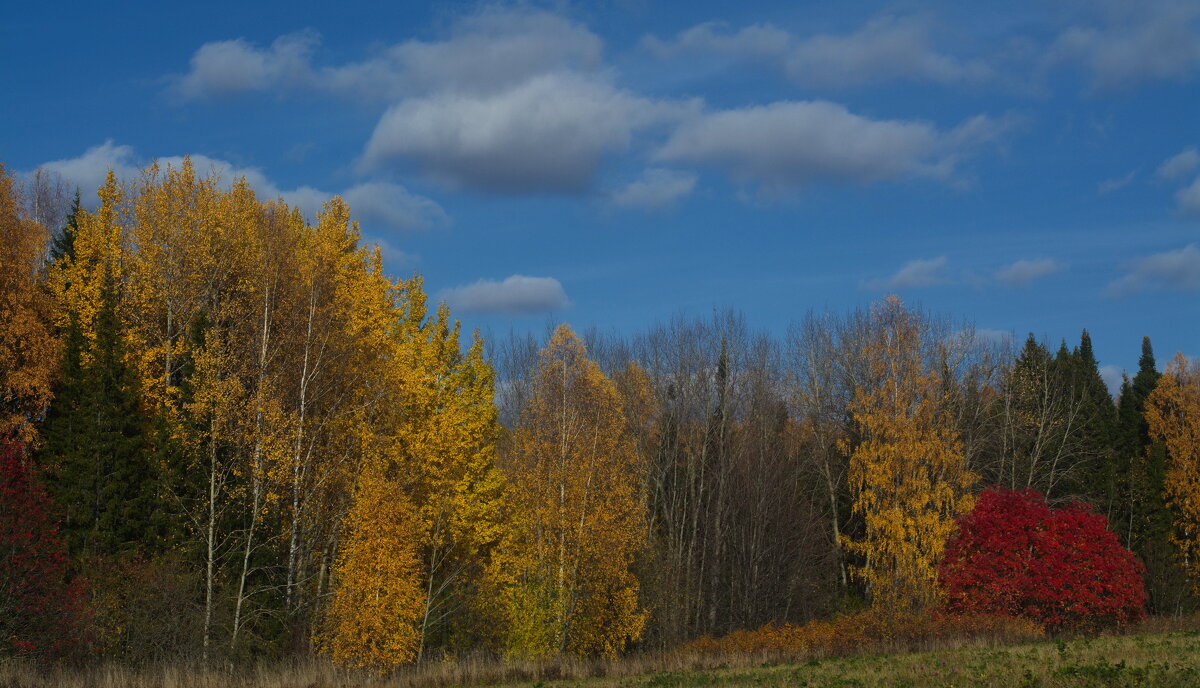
x: 1152, y: 657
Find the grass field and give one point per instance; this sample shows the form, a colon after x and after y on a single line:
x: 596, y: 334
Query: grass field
x: 1159, y: 660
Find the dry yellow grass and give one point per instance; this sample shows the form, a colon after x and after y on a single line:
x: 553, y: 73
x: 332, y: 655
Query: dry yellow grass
x: 1161, y: 654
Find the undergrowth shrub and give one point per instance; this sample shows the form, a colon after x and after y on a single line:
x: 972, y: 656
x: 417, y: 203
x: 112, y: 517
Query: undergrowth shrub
x: 42, y: 614
x: 871, y: 630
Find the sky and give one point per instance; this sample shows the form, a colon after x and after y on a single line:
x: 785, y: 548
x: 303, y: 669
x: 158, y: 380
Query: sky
x: 1027, y: 166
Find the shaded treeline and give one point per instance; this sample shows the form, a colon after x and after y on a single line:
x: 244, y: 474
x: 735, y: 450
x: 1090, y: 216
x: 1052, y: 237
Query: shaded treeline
x: 260, y: 446
x: 748, y: 499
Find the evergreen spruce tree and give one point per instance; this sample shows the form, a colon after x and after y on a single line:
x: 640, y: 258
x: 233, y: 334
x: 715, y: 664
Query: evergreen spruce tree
x: 1142, y: 515
x: 1098, y: 416
x: 99, y: 470
x: 63, y: 246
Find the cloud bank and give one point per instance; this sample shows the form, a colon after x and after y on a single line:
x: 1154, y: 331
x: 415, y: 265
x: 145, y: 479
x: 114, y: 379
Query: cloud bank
x: 887, y: 48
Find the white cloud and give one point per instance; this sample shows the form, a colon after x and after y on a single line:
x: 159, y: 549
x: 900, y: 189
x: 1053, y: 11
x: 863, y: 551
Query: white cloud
x: 224, y: 68
x: 656, y: 190
x: 915, y: 273
x: 1112, y: 376
x: 376, y: 204
x: 1180, y: 165
x: 756, y: 40
x: 391, y: 205
x: 392, y: 256
x: 1178, y: 270
x: 489, y: 50
x: 1134, y: 43
x: 1188, y: 198
x: 1111, y: 185
x: 1022, y: 273
x: 995, y: 337
x: 88, y: 171
x: 887, y: 48
x: 546, y: 135
x: 516, y: 295
x: 493, y: 50
x: 788, y: 145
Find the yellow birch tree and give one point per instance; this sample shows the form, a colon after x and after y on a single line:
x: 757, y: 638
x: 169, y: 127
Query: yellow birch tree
x: 378, y: 598
x: 447, y: 424
x: 563, y: 574
x: 1173, y: 416
x: 907, y: 474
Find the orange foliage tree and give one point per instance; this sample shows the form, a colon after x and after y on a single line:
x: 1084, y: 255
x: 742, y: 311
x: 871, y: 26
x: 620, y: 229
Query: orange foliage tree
x: 28, y: 346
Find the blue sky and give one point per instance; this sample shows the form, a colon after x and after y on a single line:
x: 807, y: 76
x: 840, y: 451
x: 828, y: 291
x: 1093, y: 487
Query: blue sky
x: 1028, y: 166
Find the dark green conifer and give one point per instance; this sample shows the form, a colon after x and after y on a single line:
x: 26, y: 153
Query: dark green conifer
x: 98, y: 467
x: 1143, y: 518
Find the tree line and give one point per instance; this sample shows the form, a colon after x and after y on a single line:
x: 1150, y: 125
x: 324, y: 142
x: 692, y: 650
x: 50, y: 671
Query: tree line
x: 256, y: 443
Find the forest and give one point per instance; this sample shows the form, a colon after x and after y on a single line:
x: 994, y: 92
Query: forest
x: 228, y: 436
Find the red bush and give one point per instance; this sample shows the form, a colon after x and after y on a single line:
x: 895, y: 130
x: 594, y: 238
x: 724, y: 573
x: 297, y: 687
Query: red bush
x: 1014, y: 555
x: 40, y: 611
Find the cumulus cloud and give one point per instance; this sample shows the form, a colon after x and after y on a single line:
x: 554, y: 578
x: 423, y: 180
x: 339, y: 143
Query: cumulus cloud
x: 1134, y: 43
x: 656, y: 190
x: 790, y: 144
x: 515, y: 295
x: 887, y: 48
x: 224, y: 68
x: 88, y: 171
x: 1022, y: 273
x: 1177, y: 270
x: 486, y: 51
x: 915, y: 273
x: 376, y: 204
x: 1180, y: 165
x: 545, y: 135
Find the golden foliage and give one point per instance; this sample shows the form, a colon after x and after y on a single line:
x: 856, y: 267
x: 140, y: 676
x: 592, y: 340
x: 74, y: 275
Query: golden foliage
x: 1173, y: 416
x: 372, y: 622
x: 907, y: 474
x: 562, y: 579
x: 101, y: 240
x: 28, y: 347
x: 284, y: 368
